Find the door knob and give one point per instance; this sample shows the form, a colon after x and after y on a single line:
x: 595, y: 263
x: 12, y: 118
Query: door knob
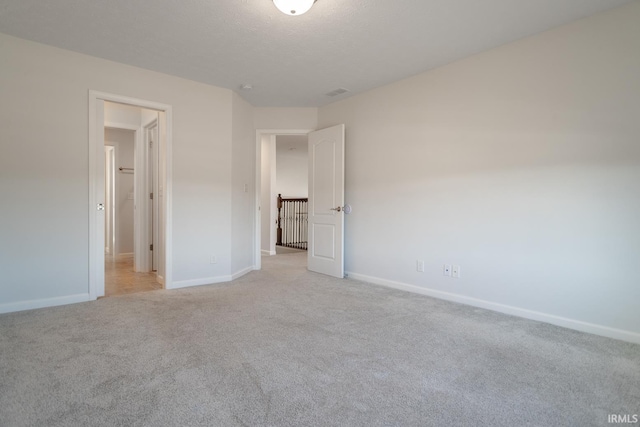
x: 100, y: 206
x: 346, y: 209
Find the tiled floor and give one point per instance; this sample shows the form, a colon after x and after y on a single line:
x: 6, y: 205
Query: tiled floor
x: 119, y: 277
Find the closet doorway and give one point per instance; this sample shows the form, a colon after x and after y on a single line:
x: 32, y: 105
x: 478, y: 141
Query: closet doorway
x: 130, y: 190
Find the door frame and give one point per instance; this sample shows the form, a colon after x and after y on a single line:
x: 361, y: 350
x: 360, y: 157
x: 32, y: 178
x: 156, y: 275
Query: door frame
x: 150, y: 209
x: 257, y: 226
x: 96, y: 254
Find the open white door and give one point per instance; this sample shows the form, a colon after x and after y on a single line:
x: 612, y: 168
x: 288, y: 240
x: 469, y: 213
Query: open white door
x: 326, y: 200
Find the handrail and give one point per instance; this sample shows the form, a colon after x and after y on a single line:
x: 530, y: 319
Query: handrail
x: 292, y: 222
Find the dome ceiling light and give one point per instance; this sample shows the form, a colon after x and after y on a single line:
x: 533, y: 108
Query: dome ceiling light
x: 294, y: 7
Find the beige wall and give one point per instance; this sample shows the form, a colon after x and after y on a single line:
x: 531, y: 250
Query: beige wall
x: 123, y: 142
x: 123, y: 115
x: 268, y: 204
x: 285, y: 118
x: 520, y: 164
x: 44, y: 170
x: 292, y: 168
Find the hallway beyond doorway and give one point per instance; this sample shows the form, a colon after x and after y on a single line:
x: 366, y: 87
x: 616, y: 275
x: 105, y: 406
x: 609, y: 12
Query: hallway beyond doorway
x: 120, y: 279
x: 285, y: 250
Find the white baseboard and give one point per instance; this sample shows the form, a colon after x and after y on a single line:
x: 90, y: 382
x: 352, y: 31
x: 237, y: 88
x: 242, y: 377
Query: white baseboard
x: 44, y: 302
x: 577, y: 325
x: 200, y: 282
x: 267, y: 253
x: 241, y: 273
x: 211, y: 280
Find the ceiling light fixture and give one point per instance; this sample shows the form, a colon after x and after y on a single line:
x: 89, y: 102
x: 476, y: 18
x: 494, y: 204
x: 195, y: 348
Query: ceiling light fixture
x: 294, y: 7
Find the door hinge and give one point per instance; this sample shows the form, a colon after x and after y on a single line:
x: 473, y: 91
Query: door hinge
x: 151, y: 247
x: 151, y: 196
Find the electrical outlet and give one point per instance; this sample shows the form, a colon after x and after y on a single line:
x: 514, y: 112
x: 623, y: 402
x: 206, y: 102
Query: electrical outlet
x: 455, y: 271
x: 246, y: 188
x: 213, y: 259
x: 446, y: 271
x: 420, y: 266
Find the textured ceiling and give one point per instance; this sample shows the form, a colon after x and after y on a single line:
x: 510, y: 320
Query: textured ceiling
x: 290, y: 61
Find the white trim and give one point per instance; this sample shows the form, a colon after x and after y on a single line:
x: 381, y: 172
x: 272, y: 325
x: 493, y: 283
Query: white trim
x: 118, y: 125
x: 240, y: 273
x: 44, y: 302
x: 200, y: 282
x: 210, y: 280
x: 266, y: 252
x: 257, y: 253
x: 577, y: 325
x: 96, y: 279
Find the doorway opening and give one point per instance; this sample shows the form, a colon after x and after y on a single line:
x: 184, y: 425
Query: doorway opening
x: 292, y: 191
x: 326, y: 208
x: 128, y: 266
x: 130, y: 195
x: 282, y: 169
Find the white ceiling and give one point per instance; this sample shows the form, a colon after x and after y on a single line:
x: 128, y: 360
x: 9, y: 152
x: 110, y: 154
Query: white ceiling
x: 290, y: 61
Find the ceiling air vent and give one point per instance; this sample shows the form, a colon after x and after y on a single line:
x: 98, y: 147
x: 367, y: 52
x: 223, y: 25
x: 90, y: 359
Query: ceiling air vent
x: 338, y: 91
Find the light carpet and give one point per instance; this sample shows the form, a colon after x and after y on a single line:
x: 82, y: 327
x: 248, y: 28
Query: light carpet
x: 286, y: 347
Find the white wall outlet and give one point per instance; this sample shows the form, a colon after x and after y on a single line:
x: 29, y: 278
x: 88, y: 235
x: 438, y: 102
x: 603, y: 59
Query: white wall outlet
x: 246, y: 188
x: 420, y: 266
x: 455, y: 271
x: 446, y: 270
x: 213, y: 259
